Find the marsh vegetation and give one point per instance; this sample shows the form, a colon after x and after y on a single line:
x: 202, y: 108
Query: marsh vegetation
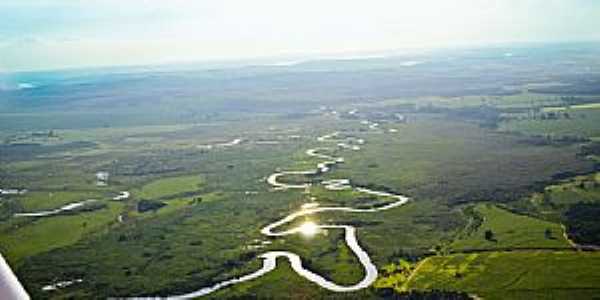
x: 501, y: 165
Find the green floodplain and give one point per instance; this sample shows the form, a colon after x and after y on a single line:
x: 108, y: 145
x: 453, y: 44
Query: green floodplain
x: 503, y: 178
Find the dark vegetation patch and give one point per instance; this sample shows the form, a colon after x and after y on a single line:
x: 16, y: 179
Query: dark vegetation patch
x: 551, y: 140
x: 487, y: 116
x: 510, y: 188
x: 505, y: 172
x: 361, y: 223
x: 149, y: 205
x: 574, y: 100
x: 8, y: 207
x: 582, y: 223
x: 442, y: 221
x: 475, y: 219
x: 583, y: 84
x: 136, y: 256
x: 592, y: 148
x: 560, y: 176
x: 29, y: 151
x: 412, y: 255
x: 157, y: 163
x: 390, y: 293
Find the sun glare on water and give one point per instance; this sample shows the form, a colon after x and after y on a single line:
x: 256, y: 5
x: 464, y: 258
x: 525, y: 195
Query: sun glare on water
x: 308, y: 229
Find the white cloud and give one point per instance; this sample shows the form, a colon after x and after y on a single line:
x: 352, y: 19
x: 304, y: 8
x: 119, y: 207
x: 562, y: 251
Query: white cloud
x: 116, y: 32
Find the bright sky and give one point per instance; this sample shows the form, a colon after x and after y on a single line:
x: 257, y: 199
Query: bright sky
x: 48, y: 34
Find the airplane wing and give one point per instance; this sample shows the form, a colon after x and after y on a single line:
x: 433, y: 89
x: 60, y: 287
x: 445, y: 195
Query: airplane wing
x: 10, y: 287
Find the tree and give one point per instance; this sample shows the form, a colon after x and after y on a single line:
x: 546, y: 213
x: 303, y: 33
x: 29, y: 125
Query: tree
x: 196, y: 200
x: 489, y: 235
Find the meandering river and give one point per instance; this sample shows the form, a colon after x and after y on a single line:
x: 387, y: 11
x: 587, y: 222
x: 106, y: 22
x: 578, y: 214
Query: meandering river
x: 270, y: 258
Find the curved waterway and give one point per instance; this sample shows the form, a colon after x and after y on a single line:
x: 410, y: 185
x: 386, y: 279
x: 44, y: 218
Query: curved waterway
x: 270, y: 258
x: 322, y: 167
x: 46, y: 213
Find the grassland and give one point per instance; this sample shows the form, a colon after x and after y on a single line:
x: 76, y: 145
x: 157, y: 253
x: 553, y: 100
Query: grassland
x: 36, y: 201
x: 457, y: 161
x: 512, y: 234
x: 581, y: 188
x: 169, y: 186
x: 435, y: 160
x: 584, y: 121
x: 514, y: 275
x: 49, y: 233
x: 555, y: 199
x: 510, y: 231
x: 447, y: 155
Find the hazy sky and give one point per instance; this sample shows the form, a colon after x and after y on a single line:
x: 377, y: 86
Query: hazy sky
x: 47, y: 34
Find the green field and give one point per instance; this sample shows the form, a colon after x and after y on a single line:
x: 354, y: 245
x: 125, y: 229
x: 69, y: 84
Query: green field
x: 49, y: 233
x: 169, y: 186
x: 36, y: 201
x: 510, y: 231
x: 514, y: 275
x: 492, y: 181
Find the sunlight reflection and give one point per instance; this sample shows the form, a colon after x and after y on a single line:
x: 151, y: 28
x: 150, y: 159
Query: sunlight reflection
x: 308, y: 229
